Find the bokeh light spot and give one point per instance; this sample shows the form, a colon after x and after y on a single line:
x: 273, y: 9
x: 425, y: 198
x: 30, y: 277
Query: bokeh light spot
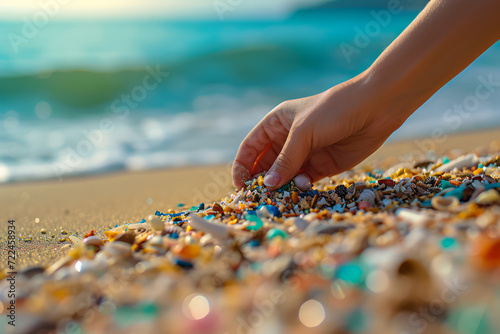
x: 43, y: 110
x: 196, y: 307
x: 377, y: 281
x: 311, y: 313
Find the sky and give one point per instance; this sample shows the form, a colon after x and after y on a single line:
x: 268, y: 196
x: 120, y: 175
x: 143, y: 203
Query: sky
x: 192, y: 9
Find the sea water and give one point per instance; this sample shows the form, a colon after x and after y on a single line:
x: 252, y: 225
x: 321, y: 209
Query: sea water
x: 81, y: 97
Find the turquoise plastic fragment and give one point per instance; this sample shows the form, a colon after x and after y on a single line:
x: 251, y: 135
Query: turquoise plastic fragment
x: 350, y: 273
x: 209, y: 217
x: 256, y: 220
x: 448, y: 243
x: 445, y: 184
x: 458, y: 193
x: 193, y: 208
x: 491, y: 186
x: 445, y: 160
x: 275, y: 232
x: 426, y: 203
x: 125, y: 316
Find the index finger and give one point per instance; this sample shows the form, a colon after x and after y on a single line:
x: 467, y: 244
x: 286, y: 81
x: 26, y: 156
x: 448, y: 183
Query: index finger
x: 253, y: 146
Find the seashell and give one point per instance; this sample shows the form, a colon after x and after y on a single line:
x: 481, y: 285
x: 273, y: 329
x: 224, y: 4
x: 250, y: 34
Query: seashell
x: 117, y: 249
x: 310, y: 217
x: 488, y: 197
x: 126, y: 237
x: 93, y: 241
x: 467, y: 161
x: 367, y: 196
x: 445, y: 203
x: 156, y: 223
x: 218, y: 231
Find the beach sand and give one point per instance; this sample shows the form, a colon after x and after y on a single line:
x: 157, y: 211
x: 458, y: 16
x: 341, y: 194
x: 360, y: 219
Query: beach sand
x: 79, y: 205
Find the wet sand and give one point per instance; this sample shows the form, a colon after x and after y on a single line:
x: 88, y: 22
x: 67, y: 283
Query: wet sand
x: 78, y: 205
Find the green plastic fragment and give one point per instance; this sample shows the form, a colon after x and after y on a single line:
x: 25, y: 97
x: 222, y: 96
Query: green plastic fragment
x: 193, y: 208
x: 445, y: 160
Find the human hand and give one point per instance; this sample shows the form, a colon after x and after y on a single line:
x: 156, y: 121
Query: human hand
x: 317, y: 136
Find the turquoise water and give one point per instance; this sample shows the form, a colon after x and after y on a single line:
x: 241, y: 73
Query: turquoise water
x: 63, y: 107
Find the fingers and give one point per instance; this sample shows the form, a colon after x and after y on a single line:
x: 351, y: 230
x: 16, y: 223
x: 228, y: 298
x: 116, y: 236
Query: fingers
x: 251, y: 148
x: 289, y: 161
x: 259, y: 149
x: 302, y: 182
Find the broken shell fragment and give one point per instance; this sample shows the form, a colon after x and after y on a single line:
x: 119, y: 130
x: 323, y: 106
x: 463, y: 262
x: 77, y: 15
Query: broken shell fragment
x: 488, y: 197
x: 156, y: 223
x: 445, y: 203
x: 468, y: 161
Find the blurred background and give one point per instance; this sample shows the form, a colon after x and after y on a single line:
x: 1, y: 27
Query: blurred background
x: 97, y: 86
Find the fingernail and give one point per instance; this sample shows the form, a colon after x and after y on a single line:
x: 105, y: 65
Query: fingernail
x: 272, y: 179
x: 302, y: 182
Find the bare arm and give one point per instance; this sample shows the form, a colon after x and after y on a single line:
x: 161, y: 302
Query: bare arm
x: 333, y: 131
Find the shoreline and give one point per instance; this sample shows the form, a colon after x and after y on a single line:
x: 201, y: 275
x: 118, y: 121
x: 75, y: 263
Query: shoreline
x: 98, y: 202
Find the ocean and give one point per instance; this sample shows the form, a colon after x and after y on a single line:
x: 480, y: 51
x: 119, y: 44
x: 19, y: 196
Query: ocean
x: 94, y: 96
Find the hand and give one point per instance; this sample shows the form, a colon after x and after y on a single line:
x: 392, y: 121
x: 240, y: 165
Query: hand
x: 316, y: 136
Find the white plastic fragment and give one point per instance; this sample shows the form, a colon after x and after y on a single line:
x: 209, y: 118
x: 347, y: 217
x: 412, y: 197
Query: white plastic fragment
x: 467, y: 161
x: 413, y: 217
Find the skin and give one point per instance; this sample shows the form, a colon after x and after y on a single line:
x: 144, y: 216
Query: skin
x: 328, y: 133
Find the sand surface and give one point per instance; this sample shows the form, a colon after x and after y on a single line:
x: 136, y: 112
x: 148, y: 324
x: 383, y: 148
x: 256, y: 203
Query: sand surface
x: 78, y: 205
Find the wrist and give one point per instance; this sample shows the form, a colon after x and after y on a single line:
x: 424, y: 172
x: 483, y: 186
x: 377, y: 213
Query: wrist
x: 393, y: 96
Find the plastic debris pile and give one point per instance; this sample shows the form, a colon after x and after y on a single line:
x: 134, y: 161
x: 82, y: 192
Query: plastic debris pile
x: 412, y: 249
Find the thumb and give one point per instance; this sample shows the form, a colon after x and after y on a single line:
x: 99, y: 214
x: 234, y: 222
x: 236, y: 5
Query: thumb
x: 289, y: 161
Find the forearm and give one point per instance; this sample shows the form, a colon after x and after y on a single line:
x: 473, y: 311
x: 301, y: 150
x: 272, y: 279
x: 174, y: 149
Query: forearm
x: 444, y: 39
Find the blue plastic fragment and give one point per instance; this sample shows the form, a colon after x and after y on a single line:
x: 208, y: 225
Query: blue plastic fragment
x: 209, y: 217
x: 183, y: 264
x: 253, y: 243
x: 274, y: 211
x: 201, y: 206
x: 158, y: 213
x: 174, y: 236
x: 142, y: 221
